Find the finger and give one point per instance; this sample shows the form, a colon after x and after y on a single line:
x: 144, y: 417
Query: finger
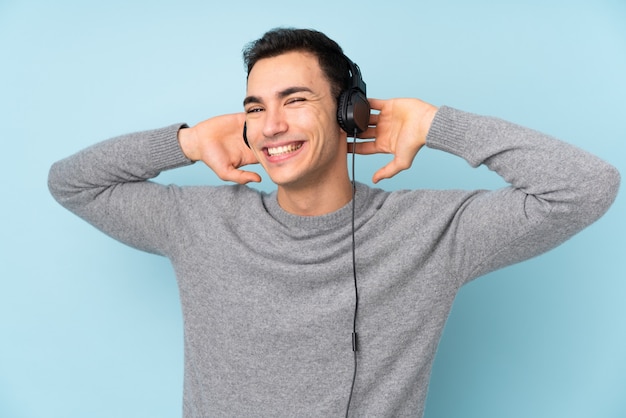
x: 364, y: 148
x: 384, y: 173
x: 240, y: 176
x: 376, y: 104
x: 368, y: 133
x: 390, y: 170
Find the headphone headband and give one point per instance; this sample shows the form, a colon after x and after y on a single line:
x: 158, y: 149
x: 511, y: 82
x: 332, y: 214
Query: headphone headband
x: 355, y: 77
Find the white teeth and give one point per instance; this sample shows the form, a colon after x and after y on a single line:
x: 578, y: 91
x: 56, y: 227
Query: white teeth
x: 283, y: 149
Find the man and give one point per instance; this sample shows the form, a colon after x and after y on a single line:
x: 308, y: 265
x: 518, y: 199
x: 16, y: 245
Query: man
x: 266, y: 280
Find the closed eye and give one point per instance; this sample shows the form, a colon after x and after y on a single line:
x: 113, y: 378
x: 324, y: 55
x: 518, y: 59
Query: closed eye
x: 295, y: 100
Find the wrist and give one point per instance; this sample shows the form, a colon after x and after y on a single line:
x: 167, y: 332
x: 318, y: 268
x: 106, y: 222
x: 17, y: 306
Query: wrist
x: 188, y: 143
x: 426, y: 121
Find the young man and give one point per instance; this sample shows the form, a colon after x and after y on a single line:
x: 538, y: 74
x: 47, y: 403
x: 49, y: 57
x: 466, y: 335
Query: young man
x: 266, y: 280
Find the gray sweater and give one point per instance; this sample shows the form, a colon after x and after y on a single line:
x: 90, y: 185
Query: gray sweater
x: 268, y: 297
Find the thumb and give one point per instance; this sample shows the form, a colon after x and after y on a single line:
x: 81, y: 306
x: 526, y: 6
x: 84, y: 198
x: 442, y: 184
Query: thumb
x: 240, y: 176
x: 391, y: 169
x: 385, y: 172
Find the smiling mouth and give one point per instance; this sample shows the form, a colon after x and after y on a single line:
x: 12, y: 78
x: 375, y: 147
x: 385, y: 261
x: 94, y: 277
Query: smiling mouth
x: 283, y: 149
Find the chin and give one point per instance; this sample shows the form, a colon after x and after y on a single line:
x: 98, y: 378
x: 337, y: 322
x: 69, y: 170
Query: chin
x: 281, y: 179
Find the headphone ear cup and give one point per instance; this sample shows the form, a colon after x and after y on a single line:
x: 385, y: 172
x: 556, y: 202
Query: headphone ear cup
x: 342, y: 112
x: 353, y: 111
x: 360, y: 111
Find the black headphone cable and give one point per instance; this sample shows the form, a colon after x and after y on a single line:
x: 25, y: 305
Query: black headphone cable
x: 356, y: 289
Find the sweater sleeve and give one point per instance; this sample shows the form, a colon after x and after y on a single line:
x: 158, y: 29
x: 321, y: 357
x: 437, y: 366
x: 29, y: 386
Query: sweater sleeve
x: 108, y: 185
x: 556, y: 190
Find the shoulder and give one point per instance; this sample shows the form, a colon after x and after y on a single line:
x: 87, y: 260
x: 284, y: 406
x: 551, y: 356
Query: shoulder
x: 416, y: 203
x: 223, y: 200
x: 224, y: 194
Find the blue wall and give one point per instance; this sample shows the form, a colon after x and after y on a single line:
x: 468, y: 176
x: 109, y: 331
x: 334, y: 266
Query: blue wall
x: 90, y: 328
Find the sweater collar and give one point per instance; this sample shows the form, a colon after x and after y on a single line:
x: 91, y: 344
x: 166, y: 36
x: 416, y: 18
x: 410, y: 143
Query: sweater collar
x: 333, y: 220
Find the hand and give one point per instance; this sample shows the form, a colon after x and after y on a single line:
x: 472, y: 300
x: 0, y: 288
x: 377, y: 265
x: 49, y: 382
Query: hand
x: 400, y: 128
x: 218, y: 142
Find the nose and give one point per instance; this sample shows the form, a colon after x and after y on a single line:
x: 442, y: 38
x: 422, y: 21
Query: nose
x: 274, y: 123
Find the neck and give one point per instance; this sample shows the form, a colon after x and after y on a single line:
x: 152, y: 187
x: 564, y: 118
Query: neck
x: 316, y: 199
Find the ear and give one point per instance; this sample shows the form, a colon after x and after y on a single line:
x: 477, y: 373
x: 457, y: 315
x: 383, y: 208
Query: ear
x: 341, y: 134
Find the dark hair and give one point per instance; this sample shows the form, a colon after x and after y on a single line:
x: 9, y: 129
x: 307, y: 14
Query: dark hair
x: 332, y: 60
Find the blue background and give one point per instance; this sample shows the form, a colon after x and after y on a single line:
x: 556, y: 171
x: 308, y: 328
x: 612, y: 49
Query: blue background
x: 90, y: 328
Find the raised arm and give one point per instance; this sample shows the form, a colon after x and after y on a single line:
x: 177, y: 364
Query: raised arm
x: 556, y: 189
x: 108, y: 183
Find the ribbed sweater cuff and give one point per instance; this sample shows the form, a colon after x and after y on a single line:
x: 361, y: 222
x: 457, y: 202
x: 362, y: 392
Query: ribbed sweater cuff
x: 165, y: 150
x: 448, y: 131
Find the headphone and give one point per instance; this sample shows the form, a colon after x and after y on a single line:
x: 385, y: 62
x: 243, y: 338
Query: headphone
x: 353, y: 109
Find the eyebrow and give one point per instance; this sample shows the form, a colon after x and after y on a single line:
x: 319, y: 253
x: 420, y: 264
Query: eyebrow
x: 281, y: 94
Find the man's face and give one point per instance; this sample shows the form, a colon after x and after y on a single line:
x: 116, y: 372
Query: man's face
x: 291, y: 119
